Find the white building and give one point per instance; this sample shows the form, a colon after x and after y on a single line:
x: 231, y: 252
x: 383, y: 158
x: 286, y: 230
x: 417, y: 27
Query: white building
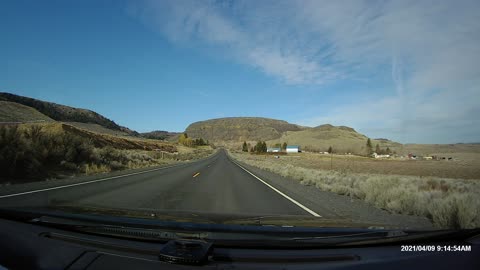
x: 273, y: 150
x: 293, y: 148
x: 375, y: 155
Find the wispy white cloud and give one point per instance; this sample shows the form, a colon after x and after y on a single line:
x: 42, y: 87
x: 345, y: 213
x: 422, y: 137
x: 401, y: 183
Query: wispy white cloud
x: 432, y: 49
x: 253, y: 36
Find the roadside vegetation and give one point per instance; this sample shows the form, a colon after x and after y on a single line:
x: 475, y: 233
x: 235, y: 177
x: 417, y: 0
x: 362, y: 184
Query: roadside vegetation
x: 38, y: 152
x: 191, y: 142
x: 449, y: 203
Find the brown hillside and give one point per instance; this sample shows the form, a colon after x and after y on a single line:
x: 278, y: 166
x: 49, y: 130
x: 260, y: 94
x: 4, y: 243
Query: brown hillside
x: 103, y: 140
x: 240, y: 129
x: 65, y: 113
x: 341, y: 138
x: 14, y: 112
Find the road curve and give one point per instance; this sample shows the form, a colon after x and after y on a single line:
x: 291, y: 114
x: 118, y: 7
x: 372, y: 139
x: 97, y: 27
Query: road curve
x: 212, y: 185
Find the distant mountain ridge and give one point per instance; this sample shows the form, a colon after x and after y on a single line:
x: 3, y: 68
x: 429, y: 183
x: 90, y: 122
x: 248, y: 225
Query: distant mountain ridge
x: 160, y: 135
x: 229, y: 131
x: 64, y: 113
x: 232, y: 131
x: 240, y: 128
x: 342, y: 139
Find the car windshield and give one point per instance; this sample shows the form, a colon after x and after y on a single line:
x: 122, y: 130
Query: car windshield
x: 323, y: 114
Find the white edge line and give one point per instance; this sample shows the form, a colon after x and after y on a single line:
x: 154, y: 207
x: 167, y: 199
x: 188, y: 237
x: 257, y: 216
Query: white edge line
x: 84, y: 183
x: 279, y: 192
x: 97, y: 180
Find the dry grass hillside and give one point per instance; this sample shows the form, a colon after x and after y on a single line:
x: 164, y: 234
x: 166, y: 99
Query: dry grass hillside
x: 98, y: 129
x: 240, y: 129
x: 14, y: 112
x: 103, y: 140
x: 64, y: 113
x: 342, y: 139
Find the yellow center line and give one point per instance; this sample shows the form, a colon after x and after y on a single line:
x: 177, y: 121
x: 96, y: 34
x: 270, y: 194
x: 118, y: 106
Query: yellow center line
x: 197, y: 174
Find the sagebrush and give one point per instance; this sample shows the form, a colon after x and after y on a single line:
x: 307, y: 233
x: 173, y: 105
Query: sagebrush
x: 31, y: 153
x: 449, y: 203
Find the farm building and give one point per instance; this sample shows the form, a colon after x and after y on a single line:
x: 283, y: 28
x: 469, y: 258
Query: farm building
x: 375, y: 155
x: 273, y: 150
x: 293, y: 148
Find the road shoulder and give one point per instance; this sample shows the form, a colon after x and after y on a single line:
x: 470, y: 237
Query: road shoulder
x: 74, y: 180
x: 331, y: 205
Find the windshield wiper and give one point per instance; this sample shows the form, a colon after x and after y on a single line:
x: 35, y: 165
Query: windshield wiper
x: 223, y: 238
x: 112, y: 230
x: 246, y: 239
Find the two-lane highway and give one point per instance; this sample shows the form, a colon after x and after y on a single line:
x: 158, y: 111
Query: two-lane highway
x: 214, y: 185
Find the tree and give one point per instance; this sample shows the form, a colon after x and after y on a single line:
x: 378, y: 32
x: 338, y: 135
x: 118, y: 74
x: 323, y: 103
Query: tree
x: 330, y: 150
x: 185, y: 140
x: 261, y: 147
x: 388, y: 151
x: 244, y: 147
x: 369, y: 147
x: 377, y: 149
x: 258, y: 147
x: 182, y: 138
x: 188, y: 142
x: 284, y: 146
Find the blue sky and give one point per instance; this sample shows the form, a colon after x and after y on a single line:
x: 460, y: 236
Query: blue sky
x: 408, y: 71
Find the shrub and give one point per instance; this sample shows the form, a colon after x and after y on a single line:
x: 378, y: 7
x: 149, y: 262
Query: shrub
x: 94, y: 169
x: 32, y: 153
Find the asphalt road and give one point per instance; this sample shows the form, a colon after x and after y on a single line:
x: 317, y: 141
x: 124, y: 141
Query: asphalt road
x: 213, y: 185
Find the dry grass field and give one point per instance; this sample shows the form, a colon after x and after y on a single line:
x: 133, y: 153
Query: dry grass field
x: 463, y: 165
x: 448, y: 202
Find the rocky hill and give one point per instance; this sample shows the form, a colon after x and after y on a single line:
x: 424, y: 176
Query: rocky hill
x: 64, y: 113
x: 340, y: 138
x: 160, y: 135
x: 240, y: 129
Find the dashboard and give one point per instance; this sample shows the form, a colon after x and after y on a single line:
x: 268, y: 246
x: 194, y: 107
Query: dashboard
x: 29, y: 246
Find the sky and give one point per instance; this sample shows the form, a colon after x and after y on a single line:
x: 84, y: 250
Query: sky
x: 404, y: 70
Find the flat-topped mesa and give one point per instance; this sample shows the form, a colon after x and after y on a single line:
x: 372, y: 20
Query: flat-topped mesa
x: 240, y: 129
